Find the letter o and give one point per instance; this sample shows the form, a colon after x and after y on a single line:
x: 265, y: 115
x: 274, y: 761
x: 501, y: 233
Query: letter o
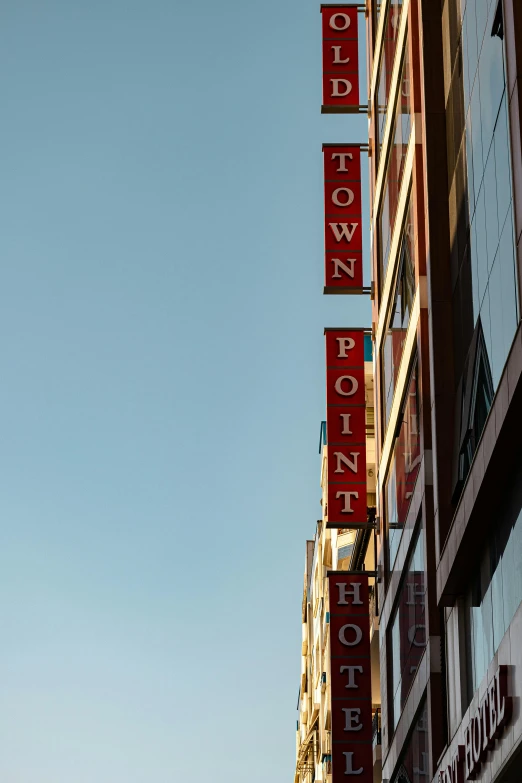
x: 346, y: 19
x: 339, y: 385
x: 412, y: 633
x: 336, y: 200
x: 342, y: 636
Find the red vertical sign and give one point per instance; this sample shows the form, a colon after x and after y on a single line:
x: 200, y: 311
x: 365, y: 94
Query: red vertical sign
x: 342, y: 222
x: 350, y: 668
x: 340, y: 58
x: 345, y: 427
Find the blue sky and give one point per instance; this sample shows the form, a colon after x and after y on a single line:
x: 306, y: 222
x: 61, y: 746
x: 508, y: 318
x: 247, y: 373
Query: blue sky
x: 162, y: 385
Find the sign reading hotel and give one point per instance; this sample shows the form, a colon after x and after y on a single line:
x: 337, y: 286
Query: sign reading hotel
x: 351, y: 678
x: 340, y: 58
x: 345, y: 427
x: 342, y: 221
x: 484, y: 728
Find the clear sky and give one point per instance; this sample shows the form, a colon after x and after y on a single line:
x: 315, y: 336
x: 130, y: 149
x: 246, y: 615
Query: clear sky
x: 162, y: 383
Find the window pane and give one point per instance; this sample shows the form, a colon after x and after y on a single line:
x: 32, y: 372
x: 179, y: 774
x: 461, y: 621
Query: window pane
x: 414, y: 766
x: 497, y: 589
x: 498, y: 353
x: 490, y: 198
x: 401, y: 131
x: 391, y: 31
x: 408, y: 629
x: 400, y: 314
x: 502, y: 164
x: 506, y: 257
x: 404, y: 468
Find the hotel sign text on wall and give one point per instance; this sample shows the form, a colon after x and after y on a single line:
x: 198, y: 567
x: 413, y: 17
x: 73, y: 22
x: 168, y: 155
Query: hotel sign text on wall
x: 345, y: 427
x: 351, y: 678
x: 340, y: 58
x: 342, y: 223
x: 484, y: 728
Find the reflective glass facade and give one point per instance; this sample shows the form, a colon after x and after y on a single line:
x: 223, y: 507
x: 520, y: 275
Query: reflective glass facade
x: 404, y: 468
x: 400, y: 315
x: 401, y: 131
x: 408, y: 629
x: 496, y: 592
x: 480, y: 195
x: 414, y: 766
x: 389, y: 48
x: 445, y: 202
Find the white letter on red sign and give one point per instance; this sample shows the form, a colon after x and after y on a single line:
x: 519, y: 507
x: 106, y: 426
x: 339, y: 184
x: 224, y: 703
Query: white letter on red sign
x: 352, y: 716
x: 345, y: 232
x: 347, y: 509
x: 342, y: 159
x: 342, y: 635
x: 349, y: 765
x: 345, y: 344
x: 346, y: 424
x: 342, y: 459
x: 351, y: 675
x: 349, y: 200
x: 337, y: 56
x: 344, y: 26
x: 339, y: 385
x: 335, y: 88
x: 354, y: 591
x: 349, y: 270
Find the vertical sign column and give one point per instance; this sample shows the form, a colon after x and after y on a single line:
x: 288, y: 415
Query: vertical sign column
x: 352, y: 758
x: 340, y: 58
x: 343, y: 218
x: 345, y: 427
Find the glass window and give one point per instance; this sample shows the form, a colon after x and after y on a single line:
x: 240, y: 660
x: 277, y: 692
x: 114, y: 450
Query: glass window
x: 400, y: 138
x: 389, y: 46
x: 483, y: 80
x: 400, y: 314
x: 476, y: 399
x: 489, y: 294
x: 502, y: 164
x: 496, y: 592
x: 404, y: 468
x: 408, y: 629
x: 414, y: 767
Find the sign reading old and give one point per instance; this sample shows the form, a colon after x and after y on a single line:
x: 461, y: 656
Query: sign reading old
x: 340, y: 58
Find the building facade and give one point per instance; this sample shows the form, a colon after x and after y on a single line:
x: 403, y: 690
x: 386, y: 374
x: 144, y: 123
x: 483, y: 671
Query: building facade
x: 334, y: 550
x: 446, y: 263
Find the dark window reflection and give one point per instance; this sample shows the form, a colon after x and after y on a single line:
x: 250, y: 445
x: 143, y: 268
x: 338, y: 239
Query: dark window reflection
x: 414, y: 767
x: 404, y: 468
x: 400, y: 137
x: 482, y: 254
x: 400, y: 314
x: 408, y: 629
x: 496, y: 593
x: 477, y: 397
x: 391, y: 32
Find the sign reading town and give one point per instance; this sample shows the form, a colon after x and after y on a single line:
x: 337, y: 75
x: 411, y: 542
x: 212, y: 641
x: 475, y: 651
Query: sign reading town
x: 345, y: 428
x: 350, y: 668
x: 340, y: 58
x: 342, y: 218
